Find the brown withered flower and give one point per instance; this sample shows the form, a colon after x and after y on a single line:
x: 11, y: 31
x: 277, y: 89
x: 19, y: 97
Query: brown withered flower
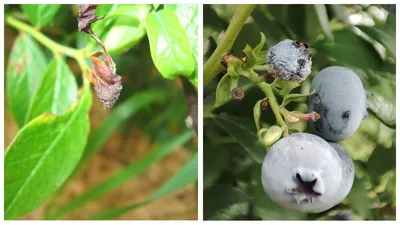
x: 107, y: 84
x: 86, y: 17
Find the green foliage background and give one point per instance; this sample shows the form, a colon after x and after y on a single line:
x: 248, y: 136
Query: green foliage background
x: 233, y: 155
x: 49, y: 94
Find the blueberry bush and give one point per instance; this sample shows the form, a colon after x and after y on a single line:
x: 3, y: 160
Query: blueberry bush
x: 54, y: 72
x: 299, y: 112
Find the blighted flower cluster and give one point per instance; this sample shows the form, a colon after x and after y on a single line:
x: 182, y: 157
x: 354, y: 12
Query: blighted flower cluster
x: 289, y: 60
x: 107, y: 83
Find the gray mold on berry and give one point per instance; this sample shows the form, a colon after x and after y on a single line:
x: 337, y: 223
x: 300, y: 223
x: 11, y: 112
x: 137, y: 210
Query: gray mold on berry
x: 289, y: 60
x: 304, y: 172
x: 340, y: 100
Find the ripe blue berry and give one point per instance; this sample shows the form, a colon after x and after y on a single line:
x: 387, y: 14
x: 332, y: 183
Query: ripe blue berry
x: 289, y: 60
x: 304, y: 172
x: 340, y: 100
x: 348, y: 172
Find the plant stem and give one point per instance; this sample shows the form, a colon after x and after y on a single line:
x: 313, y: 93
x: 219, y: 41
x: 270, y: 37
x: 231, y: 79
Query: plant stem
x: 78, y: 55
x: 212, y: 67
x: 261, y: 67
x: 47, y: 42
x: 267, y: 89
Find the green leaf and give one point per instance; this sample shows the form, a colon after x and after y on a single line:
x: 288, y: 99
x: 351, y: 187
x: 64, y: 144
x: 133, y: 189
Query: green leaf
x: 382, y: 160
x: 257, y: 114
x: 295, y: 98
x: 24, y: 75
x: 251, y: 57
x: 133, y: 170
x: 56, y: 93
x: 261, y: 56
x: 296, y: 14
x: 242, y: 130
x: 122, y: 28
x: 259, y: 53
x: 223, y: 92
x: 216, y: 159
x: 237, y: 211
x: 347, y: 47
x: 188, y: 17
x: 40, y: 15
x: 384, y: 34
x: 269, y: 25
x: 285, y: 86
x: 169, y: 46
x: 358, y: 198
x: 280, y: 12
x: 391, y: 187
x: 382, y: 98
x: 323, y: 20
x: 185, y: 176
x: 260, y: 45
x: 43, y: 155
x: 220, y: 197
x: 115, y: 212
x: 118, y: 116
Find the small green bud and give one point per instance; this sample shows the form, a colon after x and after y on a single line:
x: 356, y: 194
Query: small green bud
x: 257, y: 114
x: 272, y: 135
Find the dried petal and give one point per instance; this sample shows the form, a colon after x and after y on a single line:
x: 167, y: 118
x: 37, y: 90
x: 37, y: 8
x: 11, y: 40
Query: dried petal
x: 86, y: 17
x: 107, y: 84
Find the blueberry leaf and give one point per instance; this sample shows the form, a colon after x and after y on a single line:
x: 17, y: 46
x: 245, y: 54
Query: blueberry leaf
x: 188, y: 15
x: 382, y: 160
x: 122, y: 28
x: 346, y: 45
x: 223, y: 92
x: 243, y: 131
x: 382, y: 97
x: 40, y: 15
x: 216, y: 159
x: 285, y: 86
x: 323, y: 19
x: 384, y: 34
x: 220, y: 197
x: 169, y: 45
x: 43, y: 155
x: 25, y: 72
x: 57, y: 91
x: 358, y: 198
x: 251, y: 57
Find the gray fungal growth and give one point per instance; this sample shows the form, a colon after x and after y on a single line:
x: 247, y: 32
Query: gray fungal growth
x: 289, y: 60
